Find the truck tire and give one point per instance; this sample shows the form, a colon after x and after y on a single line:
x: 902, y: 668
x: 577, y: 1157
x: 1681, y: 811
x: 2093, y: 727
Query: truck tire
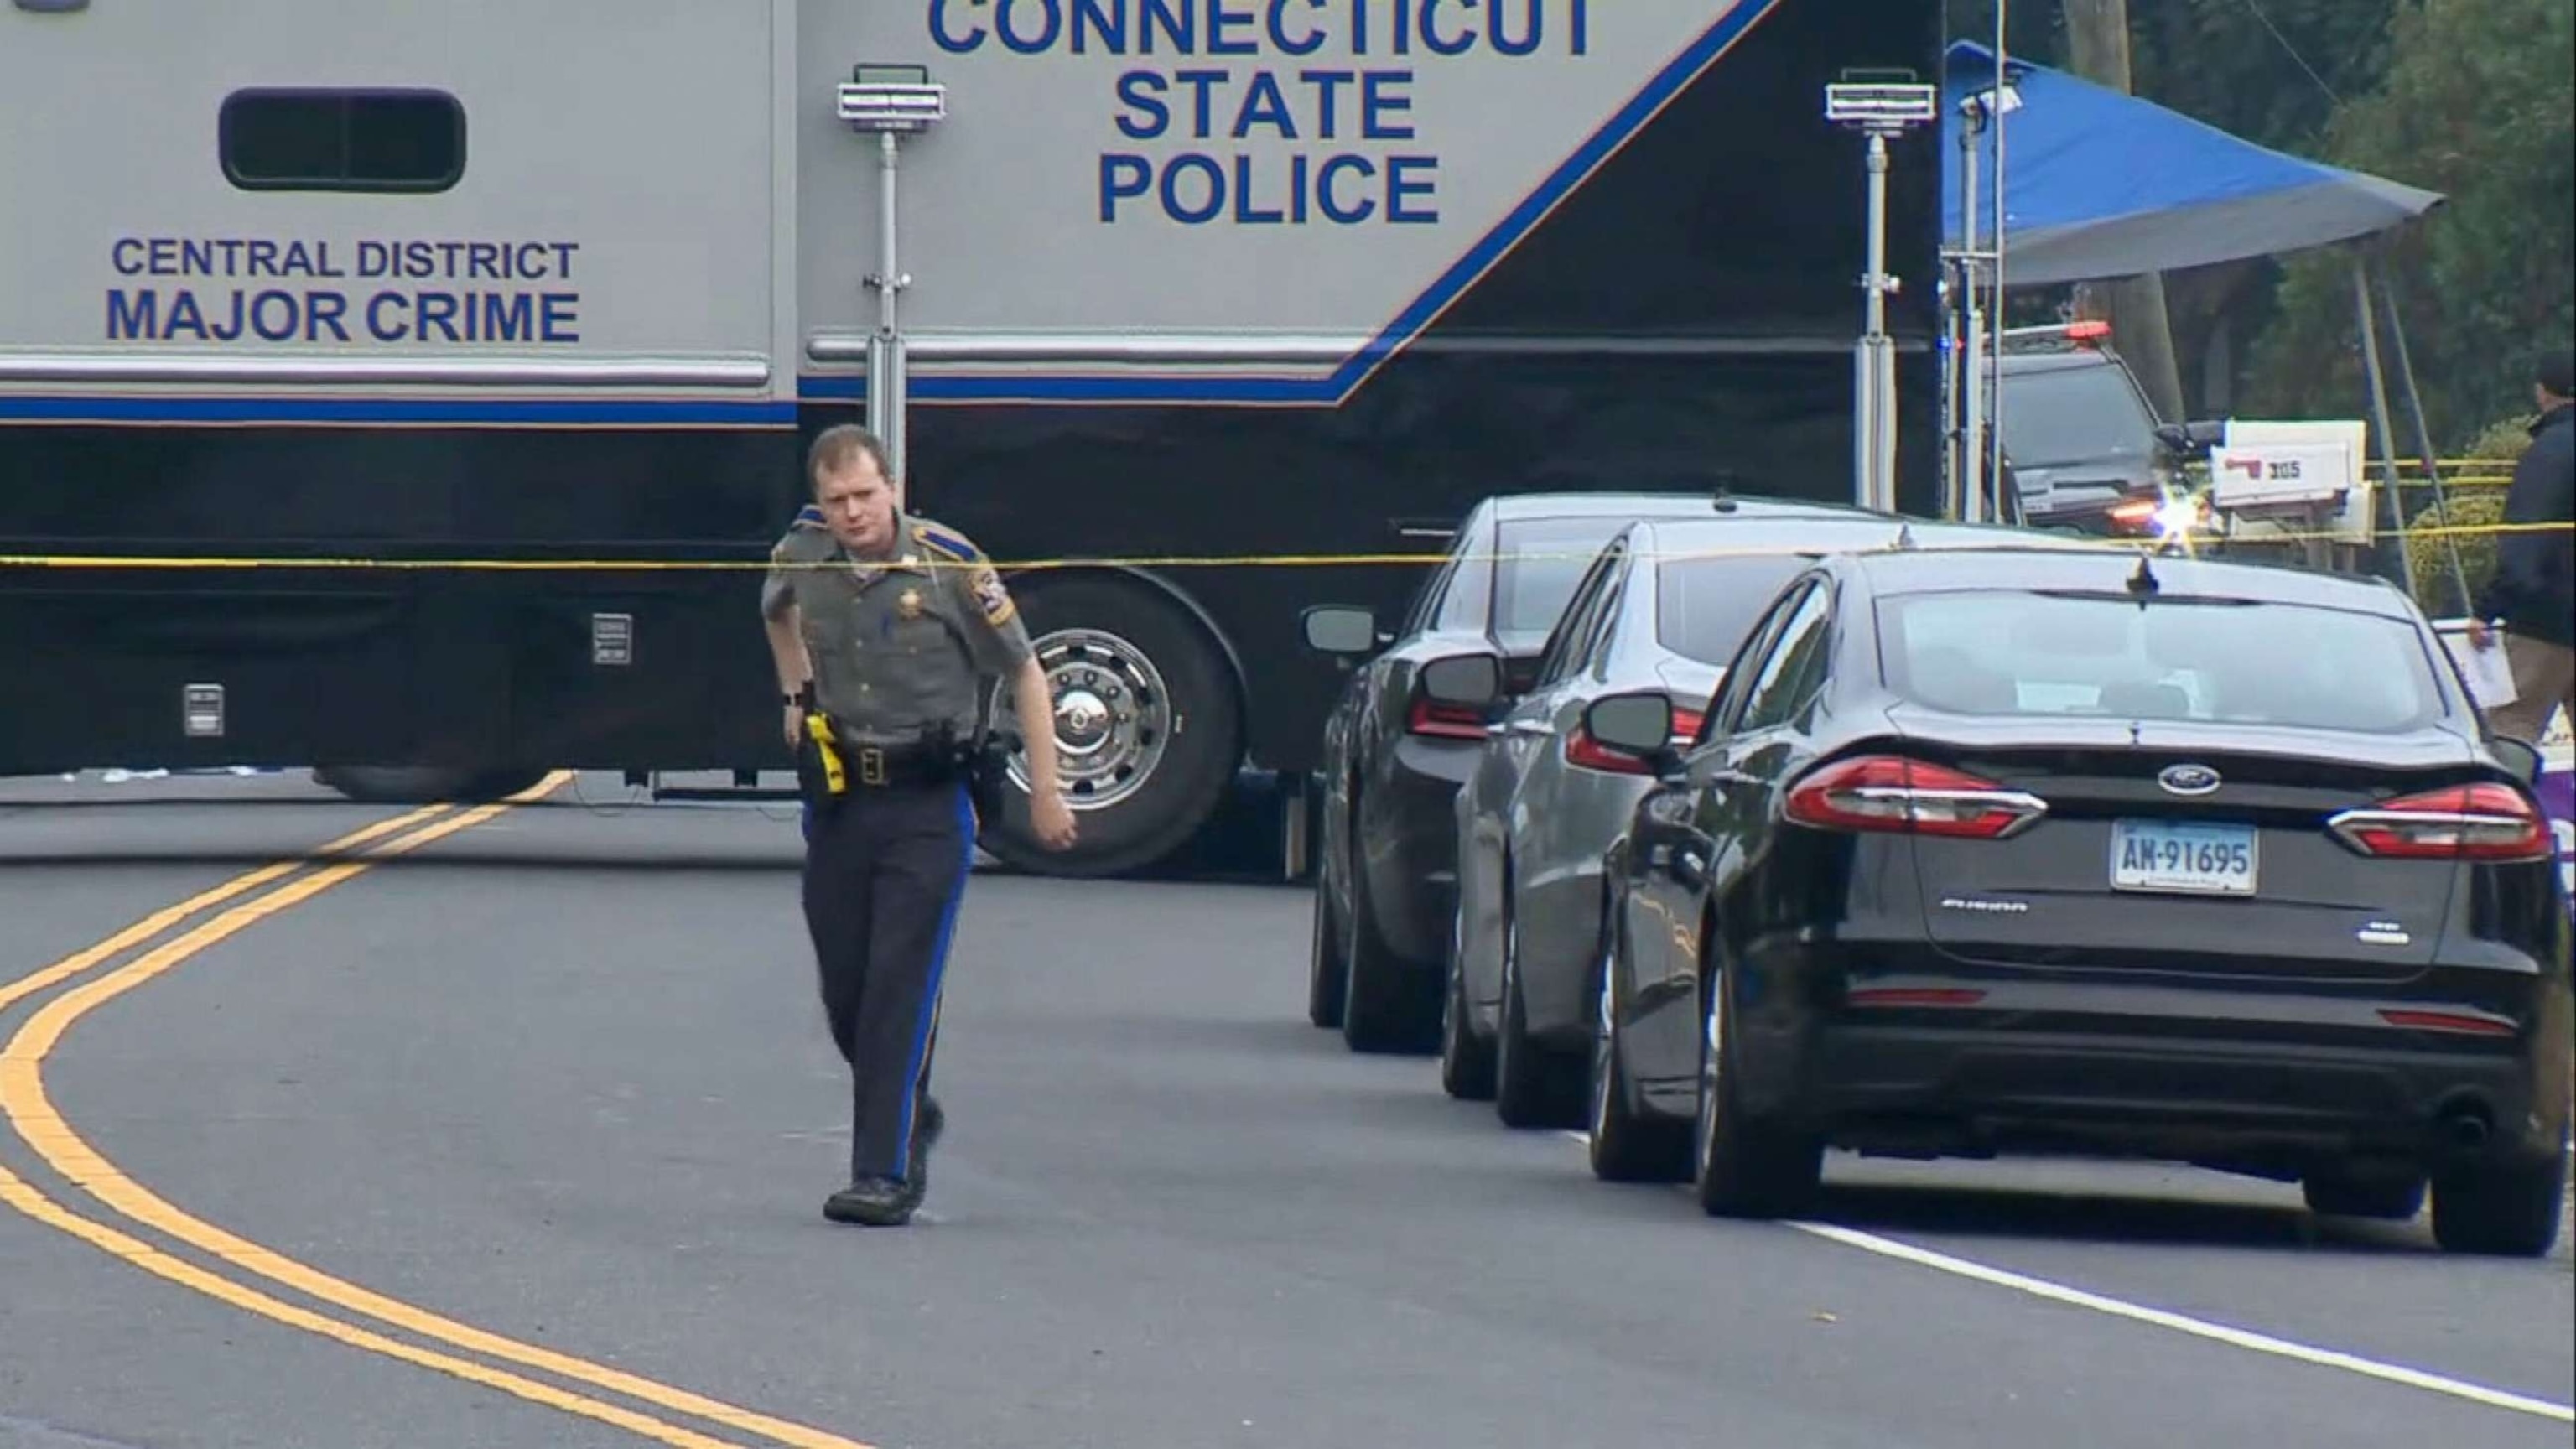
x: 423, y: 785
x: 1149, y: 727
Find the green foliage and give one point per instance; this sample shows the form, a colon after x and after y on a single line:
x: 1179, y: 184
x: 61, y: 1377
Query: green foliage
x: 2476, y: 104
x: 2472, y: 506
x: 2430, y: 556
x: 2505, y: 439
x: 2220, y: 62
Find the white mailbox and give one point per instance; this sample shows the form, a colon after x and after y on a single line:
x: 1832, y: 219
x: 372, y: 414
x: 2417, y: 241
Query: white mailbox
x: 2279, y: 475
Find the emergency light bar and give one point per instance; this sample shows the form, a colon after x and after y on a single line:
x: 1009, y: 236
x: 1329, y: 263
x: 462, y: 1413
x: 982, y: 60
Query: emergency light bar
x: 1881, y: 105
x: 881, y: 105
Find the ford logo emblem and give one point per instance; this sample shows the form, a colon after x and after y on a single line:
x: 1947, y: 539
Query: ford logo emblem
x: 2188, y: 779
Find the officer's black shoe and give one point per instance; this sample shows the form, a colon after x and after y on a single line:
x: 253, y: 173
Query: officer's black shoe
x: 875, y: 1202
x: 926, y: 1128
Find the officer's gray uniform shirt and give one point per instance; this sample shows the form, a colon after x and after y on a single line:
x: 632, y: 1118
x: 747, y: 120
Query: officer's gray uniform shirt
x: 901, y: 646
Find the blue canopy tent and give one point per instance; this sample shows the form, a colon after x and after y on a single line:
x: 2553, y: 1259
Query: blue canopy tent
x: 2098, y: 184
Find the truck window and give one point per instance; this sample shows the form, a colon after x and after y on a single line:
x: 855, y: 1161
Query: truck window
x: 342, y: 140
x: 2062, y: 415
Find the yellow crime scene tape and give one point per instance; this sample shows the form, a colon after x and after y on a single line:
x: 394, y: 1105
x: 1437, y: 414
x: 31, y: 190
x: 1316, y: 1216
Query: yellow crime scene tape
x: 215, y: 562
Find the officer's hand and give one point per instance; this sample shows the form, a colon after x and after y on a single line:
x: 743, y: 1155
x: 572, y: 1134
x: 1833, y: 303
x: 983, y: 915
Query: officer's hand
x: 2479, y: 634
x: 1053, y: 819
x: 795, y: 728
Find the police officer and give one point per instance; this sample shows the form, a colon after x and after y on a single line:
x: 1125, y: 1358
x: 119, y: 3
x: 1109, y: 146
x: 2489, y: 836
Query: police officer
x: 886, y: 628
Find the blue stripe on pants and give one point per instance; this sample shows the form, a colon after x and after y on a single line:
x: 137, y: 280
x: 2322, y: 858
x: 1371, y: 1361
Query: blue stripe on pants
x: 932, y: 982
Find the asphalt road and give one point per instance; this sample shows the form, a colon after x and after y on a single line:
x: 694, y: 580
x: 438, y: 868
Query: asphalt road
x: 559, y: 1077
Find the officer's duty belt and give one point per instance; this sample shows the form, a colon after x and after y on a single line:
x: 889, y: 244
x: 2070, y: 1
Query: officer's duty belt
x: 847, y: 765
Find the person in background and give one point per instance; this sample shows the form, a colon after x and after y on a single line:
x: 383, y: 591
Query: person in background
x: 2533, y: 594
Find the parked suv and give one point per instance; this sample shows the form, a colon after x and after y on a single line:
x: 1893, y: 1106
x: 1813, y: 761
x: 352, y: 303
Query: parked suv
x: 2083, y: 444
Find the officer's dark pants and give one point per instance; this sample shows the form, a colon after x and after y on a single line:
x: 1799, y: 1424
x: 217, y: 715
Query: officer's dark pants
x: 885, y: 868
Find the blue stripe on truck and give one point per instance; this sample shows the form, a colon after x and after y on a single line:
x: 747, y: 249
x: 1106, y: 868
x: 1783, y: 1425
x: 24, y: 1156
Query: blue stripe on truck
x: 1354, y: 371
x: 1050, y: 387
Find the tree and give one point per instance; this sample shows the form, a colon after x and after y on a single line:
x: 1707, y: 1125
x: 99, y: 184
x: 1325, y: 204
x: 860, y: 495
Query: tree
x: 2477, y: 104
x: 2271, y: 72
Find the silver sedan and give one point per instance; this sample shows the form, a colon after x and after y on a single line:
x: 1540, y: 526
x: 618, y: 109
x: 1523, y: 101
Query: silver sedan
x: 1664, y: 606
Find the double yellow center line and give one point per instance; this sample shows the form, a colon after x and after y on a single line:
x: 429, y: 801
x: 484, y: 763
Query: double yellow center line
x: 253, y: 897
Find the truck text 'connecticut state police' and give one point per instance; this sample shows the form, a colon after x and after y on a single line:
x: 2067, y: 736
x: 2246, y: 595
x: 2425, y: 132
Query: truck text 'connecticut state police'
x: 1278, y: 140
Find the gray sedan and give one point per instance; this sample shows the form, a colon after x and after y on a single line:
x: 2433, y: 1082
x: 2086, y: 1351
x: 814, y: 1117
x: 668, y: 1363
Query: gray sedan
x: 1664, y: 606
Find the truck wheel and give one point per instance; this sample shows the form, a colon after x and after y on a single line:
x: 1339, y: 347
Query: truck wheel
x: 1148, y: 730
x: 423, y: 785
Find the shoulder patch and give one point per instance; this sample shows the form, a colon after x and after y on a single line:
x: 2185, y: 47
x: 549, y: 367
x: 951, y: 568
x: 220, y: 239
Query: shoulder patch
x: 809, y: 516
x: 992, y: 597
x: 953, y: 546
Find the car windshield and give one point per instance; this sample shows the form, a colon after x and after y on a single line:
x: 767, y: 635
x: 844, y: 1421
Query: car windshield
x: 1705, y: 606
x: 1542, y: 561
x: 2059, y: 415
x: 2009, y: 652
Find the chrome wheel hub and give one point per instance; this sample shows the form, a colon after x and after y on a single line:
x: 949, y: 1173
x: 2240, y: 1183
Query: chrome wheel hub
x: 1113, y: 716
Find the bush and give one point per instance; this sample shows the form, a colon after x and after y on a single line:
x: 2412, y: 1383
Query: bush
x: 2430, y: 557
x: 2472, y: 505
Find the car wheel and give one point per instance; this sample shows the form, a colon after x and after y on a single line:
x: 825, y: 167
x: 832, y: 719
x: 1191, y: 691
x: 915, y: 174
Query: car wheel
x: 1325, y: 966
x: 1533, y: 1087
x: 1625, y: 1146
x: 2502, y: 1209
x: 1384, y: 1005
x: 2333, y: 1194
x: 1466, y: 1064
x: 1742, y: 1167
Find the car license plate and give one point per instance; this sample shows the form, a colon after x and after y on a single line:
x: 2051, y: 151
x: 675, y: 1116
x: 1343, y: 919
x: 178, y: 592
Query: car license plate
x: 2160, y: 855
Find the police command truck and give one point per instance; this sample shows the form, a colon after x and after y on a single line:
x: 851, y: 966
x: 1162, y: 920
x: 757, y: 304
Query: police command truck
x: 493, y: 332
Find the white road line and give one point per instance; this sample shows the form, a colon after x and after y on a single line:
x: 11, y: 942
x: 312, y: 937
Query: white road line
x: 2180, y: 1323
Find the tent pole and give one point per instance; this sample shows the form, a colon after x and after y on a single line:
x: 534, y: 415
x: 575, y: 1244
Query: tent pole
x: 2379, y: 411
x: 2424, y: 443
x: 1991, y: 471
x: 1969, y: 505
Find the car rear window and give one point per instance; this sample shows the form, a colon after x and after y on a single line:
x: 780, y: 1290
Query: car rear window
x: 1705, y: 606
x: 2011, y: 652
x: 1542, y: 561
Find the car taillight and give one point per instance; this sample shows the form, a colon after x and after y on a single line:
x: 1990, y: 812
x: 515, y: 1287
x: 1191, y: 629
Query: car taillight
x: 1890, y: 792
x: 1445, y: 721
x: 2457, y: 822
x: 1586, y: 753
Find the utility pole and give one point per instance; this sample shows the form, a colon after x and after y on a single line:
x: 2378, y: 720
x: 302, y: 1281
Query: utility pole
x: 2097, y: 48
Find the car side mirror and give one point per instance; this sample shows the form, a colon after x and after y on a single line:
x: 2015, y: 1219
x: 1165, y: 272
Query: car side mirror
x: 1639, y: 724
x: 1340, y: 629
x: 2520, y: 756
x: 1472, y: 680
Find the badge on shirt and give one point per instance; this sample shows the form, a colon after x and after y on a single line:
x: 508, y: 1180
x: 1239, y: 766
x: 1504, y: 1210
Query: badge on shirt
x: 995, y: 599
x: 909, y: 604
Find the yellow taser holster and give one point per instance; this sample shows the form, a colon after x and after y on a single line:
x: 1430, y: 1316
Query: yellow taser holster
x: 818, y: 728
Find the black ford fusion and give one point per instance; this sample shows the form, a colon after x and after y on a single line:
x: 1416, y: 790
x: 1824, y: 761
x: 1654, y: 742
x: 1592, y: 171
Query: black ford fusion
x: 1386, y: 847
x: 1995, y: 851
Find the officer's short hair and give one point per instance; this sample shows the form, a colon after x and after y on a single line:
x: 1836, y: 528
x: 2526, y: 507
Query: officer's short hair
x: 839, y: 446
